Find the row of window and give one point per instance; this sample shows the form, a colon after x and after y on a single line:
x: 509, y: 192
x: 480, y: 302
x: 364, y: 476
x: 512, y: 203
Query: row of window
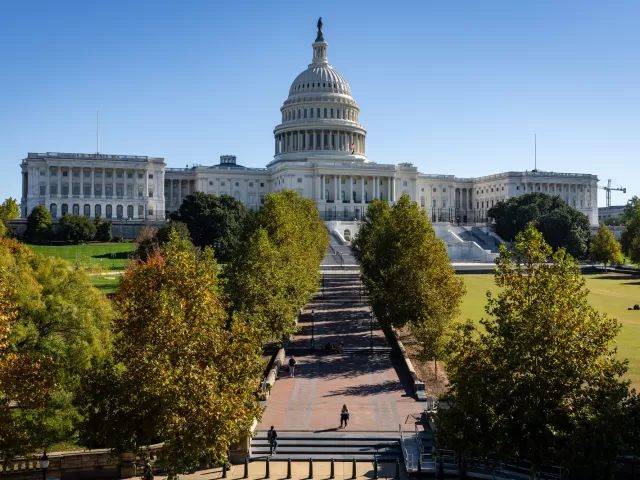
x: 53, y: 172
x: 341, y: 114
x: 86, y: 210
x: 86, y: 190
x: 336, y: 85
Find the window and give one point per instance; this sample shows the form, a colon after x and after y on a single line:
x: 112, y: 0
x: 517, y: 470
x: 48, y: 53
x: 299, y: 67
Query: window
x: 109, y: 174
x: 311, y: 112
x: 237, y: 184
x: 222, y: 183
x: 518, y: 188
x: 299, y: 180
x: 42, y: 173
x: 236, y: 195
x: 151, y: 176
x: 118, y: 174
x: 262, y: 184
x: 53, y: 209
x: 444, y: 203
x: 140, y: 175
x: 251, y: 184
x: 434, y: 190
x: 347, y: 235
x: 76, y: 209
x: 140, y: 211
x: 130, y: 191
x: 43, y: 189
x: 76, y: 189
x: 119, y: 211
x: 108, y: 211
x: 65, y: 173
x: 76, y: 174
x: 433, y: 203
x: 150, y: 211
x: 98, y: 210
x: 325, y: 113
x: 422, y: 201
x: 422, y: 189
x: 404, y: 184
x: 354, y: 181
x: 140, y: 191
x: 87, y: 210
x: 261, y: 198
x: 65, y: 208
x: 129, y: 175
x: 342, y: 181
x: 210, y: 183
x: 318, y: 112
x: 478, y: 205
x: 326, y: 194
x: 87, y: 189
x: 150, y: 192
x: 444, y: 189
x: 97, y: 189
x: 53, y: 189
x: 129, y: 211
x: 326, y: 181
x: 108, y: 190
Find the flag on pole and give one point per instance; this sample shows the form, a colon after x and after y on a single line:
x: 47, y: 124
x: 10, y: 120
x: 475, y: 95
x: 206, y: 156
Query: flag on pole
x: 352, y: 147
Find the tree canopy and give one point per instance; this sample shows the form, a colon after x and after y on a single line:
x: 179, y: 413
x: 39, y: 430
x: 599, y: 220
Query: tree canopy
x: 151, y: 239
x: 39, y: 224
x: 183, y: 372
x: 406, y: 270
x: 540, y: 379
x: 630, y: 209
x: 276, y: 272
x: 60, y: 322
x: 561, y: 225
x: 77, y: 228
x: 9, y: 209
x: 630, y: 237
x: 216, y: 221
x: 605, y: 248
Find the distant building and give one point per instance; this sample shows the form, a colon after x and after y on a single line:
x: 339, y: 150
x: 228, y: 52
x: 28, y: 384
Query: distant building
x: 608, y: 212
x: 319, y: 151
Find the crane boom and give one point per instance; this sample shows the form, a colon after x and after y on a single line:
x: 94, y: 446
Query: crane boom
x: 609, y: 189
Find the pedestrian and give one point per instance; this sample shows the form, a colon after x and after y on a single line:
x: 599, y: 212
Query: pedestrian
x: 292, y: 366
x: 147, y: 472
x: 344, y: 416
x: 272, y: 437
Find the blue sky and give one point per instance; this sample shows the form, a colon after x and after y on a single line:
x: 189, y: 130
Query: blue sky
x: 456, y: 87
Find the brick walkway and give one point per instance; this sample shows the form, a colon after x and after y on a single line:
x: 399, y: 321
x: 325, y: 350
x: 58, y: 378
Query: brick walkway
x: 370, y: 384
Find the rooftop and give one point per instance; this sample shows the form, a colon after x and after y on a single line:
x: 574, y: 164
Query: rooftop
x: 95, y: 156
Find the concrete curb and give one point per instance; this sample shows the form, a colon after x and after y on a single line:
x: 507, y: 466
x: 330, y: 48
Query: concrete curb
x: 418, y: 385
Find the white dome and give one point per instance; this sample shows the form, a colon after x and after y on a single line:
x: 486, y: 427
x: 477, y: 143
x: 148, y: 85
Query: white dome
x: 319, y: 78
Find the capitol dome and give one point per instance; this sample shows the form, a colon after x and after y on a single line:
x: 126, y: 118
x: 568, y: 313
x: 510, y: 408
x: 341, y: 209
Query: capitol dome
x: 319, y: 117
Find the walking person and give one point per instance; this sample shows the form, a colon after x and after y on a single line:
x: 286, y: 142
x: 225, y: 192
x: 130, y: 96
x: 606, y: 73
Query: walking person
x: 292, y: 366
x: 272, y: 437
x: 344, y: 416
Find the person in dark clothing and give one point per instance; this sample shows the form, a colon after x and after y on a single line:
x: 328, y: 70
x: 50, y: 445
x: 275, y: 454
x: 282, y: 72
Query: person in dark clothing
x: 292, y: 366
x: 272, y: 437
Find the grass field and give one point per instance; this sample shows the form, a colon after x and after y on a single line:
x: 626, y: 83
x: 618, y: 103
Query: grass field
x: 111, y: 256
x: 106, y: 283
x: 609, y: 293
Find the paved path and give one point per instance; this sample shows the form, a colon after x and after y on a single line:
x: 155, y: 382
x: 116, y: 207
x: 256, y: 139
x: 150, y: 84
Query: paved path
x: 370, y: 384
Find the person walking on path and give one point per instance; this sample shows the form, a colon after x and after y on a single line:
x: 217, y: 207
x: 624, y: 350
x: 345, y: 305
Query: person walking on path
x: 292, y: 366
x: 272, y: 437
x: 344, y: 416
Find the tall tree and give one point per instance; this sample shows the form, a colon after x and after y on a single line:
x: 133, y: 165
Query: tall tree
x: 184, y: 373
x: 77, y: 228
x: 61, y: 323
x: 630, y: 209
x: 39, y: 224
x: 630, y: 233
x: 216, y: 221
x: 562, y: 225
x: 541, y: 381
x: 605, y: 248
x: 9, y: 209
x: 407, y: 272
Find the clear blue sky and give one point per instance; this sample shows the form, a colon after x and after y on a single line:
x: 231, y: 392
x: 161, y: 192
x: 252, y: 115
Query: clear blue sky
x: 455, y: 87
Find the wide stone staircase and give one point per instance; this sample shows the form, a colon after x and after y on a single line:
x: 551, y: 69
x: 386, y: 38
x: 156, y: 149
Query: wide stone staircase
x: 361, y: 446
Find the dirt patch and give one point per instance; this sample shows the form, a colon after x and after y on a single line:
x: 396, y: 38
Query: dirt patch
x: 425, y: 370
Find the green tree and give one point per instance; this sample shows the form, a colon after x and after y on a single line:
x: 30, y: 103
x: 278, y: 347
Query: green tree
x: 184, y: 373
x: 541, y: 380
x: 163, y: 234
x: 9, y: 209
x: 103, y: 230
x: 276, y: 272
x: 634, y: 251
x: 39, y: 224
x: 407, y: 272
x: 630, y: 209
x: 146, y: 243
x: 61, y: 323
x: 3, y: 229
x: 630, y: 233
x: 604, y: 247
x: 562, y: 225
x: 216, y: 221
x: 77, y: 228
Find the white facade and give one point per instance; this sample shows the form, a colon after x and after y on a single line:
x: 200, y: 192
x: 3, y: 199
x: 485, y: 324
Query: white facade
x: 320, y: 151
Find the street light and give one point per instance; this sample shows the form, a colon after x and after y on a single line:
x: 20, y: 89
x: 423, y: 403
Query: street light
x: 313, y: 318
x: 371, y: 329
x: 44, y: 464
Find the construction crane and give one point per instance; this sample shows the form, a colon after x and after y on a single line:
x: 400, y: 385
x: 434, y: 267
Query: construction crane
x: 608, y: 189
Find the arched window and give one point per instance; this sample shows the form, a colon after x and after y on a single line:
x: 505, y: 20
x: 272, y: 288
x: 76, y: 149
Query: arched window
x: 98, y: 210
x: 422, y: 201
x: 332, y: 113
x: 119, y: 211
x: 53, y: 209
x: 305, y: 113
x: 76, y: 209
x: 343, y: 113
x: 325, y: 113
x: 87, y: 210
x: 298, y: 114
x: 140, y: 211
x: 311, y: 112
x: 236, y: 195
x: 129, y: 211
x: 347, y: 235
x: 318, y: 112
x: 108, y: 211
x: 65, y: 208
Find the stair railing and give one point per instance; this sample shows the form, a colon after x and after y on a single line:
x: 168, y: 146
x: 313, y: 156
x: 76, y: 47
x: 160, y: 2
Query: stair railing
x: 408, y: 457
x: 427, y: 462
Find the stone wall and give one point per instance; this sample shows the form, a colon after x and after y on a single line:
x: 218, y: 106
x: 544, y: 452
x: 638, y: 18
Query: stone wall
x: 120, y: 228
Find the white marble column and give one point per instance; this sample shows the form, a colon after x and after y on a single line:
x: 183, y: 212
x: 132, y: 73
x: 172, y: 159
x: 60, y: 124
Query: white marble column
x: 352, y: 189
x: 362, y: 189
x: 337, y: 189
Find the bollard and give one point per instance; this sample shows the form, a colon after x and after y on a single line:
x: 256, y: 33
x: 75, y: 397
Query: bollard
x: 397, y: 477
x: 333, y: 473
x: 353, y: 473
x: 246, y: 467
x: 375, y: 468
x: 310, y: 468
x: 224, y: 469
x: 289, y: 467
x: 267, y: 473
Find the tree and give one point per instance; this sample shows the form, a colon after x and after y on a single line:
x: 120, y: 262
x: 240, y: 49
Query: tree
x: 276, y: 272
x: 630, y: 233
x: 561, y: 225
x: 604, y: 247
x: 39, y: 224
x: 541, y: 380
x: 183, y: 372
x: 103, y: 230
x: 146, y: 243
x: 216, y: 221
x: 3, y: 229
x: 407, y: 272
x: 61, y: 323
x: 634, y: 251
x: 9, y: 209
x: 77, y: 228
x: 164, y: 233
x: 630, y: 209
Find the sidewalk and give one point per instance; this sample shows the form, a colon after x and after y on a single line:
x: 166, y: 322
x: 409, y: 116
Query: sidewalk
x: 299, y: 470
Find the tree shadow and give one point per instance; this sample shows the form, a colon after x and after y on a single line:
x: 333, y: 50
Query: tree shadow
x: 389, y: 386
x: 115, y: 255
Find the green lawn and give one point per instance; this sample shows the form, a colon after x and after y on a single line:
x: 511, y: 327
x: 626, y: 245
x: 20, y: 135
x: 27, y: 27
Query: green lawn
x: 609, y: 293
x: 111, y: 256
x: 106, y: 283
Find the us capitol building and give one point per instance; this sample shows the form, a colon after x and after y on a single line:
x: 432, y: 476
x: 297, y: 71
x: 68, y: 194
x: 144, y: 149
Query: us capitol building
x: 319, y: 151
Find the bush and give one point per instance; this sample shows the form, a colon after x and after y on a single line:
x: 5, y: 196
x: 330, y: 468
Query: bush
x: 118, y: 239
x: 77, y: 228
x: 103, y: 230
x: 39, y: 224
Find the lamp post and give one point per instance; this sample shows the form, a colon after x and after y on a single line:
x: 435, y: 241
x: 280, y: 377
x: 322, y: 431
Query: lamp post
x: 370, y: 329
x: 44, y: 464
x: 313, y: 318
